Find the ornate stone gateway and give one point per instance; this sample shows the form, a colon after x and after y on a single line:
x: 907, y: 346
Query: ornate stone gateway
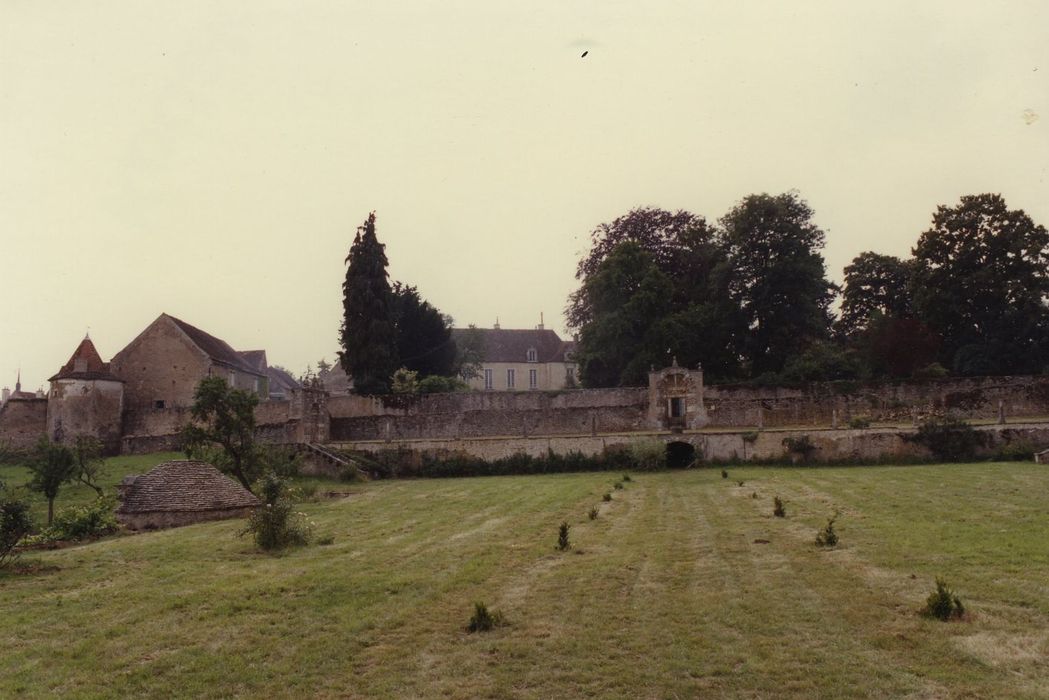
x: 675, y: 399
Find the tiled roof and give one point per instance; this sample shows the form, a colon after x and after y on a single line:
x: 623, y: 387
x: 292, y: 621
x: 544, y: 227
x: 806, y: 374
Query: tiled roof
x: 218, y: 350
x: 512, y: 345
x: 91, y: 361
x: 182, y: 486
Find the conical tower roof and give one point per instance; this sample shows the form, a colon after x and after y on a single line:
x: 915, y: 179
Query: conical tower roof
x: 85, y: 363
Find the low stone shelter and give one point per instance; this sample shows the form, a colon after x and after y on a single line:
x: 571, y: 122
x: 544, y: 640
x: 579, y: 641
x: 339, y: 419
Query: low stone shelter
x: 181, y: 492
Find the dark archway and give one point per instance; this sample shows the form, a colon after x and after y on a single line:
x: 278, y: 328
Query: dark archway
x: 680, y: 455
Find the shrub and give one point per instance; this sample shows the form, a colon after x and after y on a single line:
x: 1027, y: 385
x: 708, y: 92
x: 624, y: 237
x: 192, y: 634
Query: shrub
x: 83, y: 522
x: 274, y: 524
x: 484, y: 620
x: 618, y: 485
x: 859, y: 422
x: 1015, y: 452
x: 325, y: 541
x: 648, y: 455
x: 942, y: 603
x: 740, y: 483
x: 750, y: 436
x: 724, y: 474
x: 799, y: 448
x: 827, y: 537
x: 593, y: 513
x: 930, y: 371
x: 436, y: 384
x: 283, y: 461
x: 778, y: 509
x: 14, y: 524
x: 607, y: 497
x: 562, y: 537
x: 626, y: 477
x: 949, y: 439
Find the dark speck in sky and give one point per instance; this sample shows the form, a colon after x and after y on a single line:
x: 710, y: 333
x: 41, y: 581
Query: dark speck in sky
x: 584, y: 54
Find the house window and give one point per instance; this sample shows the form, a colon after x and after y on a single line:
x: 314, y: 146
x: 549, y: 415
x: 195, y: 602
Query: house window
x: 569, y: 374
x: 532, y: 355
x: 159, y: 403
x: 233, y: 378
x: 533, y: 378
x: 510, y: 378
x: 256, y: 385
x: 488, y: 382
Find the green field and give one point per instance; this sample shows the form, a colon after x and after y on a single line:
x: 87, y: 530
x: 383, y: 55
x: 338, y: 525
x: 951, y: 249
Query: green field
x: 665, y: 595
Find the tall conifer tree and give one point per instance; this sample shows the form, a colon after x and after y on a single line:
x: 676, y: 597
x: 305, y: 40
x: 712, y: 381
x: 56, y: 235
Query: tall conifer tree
x: 368, y: 335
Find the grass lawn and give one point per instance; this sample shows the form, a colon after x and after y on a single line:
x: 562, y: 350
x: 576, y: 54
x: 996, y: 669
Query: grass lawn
x: 665, y: 595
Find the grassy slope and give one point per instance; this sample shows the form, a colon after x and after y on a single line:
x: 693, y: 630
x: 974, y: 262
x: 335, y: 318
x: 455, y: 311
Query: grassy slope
x: 669, y: 597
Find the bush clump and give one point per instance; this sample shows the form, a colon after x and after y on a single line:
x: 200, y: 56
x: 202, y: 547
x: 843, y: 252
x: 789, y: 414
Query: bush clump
x: 648, y: 455
x: 626, y: 477
x: 14, y: 524
x: 275, y: 524
x: 799, y: 448
x: 827, y: 537
x: 778, y: 508
x: 83, y: 522
x: 949, y: 439
x: 593, y: 513
x: 724, y: 474
x: 859, y: 422
x: 400, y: 464
x: 618, y: 486
x: 484, y: 619
x: 943, y: 604
x: 607, y: 497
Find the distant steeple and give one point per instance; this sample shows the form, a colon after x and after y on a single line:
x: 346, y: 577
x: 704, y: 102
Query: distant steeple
x: 496, y: 326
x: 18, y: 382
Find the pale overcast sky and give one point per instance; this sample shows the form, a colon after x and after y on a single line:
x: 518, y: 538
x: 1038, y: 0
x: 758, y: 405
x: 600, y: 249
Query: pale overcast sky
x: 213, y: 159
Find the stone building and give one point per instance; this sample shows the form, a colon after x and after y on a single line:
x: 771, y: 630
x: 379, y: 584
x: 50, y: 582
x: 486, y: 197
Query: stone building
x: 163, y: 365
x: 179, y: 493
x: 86, y: 399
x: 23, y: 417
x: 520, y: 359
x: 675, y: 399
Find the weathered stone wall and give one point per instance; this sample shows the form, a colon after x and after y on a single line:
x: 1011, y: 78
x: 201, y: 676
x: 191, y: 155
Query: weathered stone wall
x: 86, y: 407
x: 900, y: 402
x: 870, y: 445
x: 22, y: 422
x: 165, y: 519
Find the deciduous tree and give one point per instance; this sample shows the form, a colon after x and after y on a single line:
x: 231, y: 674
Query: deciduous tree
x: 224, y: 418
x: 778, y: 277
x: 51, y: 465
x: 981, y: 280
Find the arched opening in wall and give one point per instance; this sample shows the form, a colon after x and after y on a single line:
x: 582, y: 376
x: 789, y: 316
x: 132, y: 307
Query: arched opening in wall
x: 680, y: 455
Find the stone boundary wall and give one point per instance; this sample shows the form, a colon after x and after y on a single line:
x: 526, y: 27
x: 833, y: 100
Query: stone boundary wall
x: 975, y: 398
x: 869, y: 445
x: 22, y: 422
x: 581, y: 411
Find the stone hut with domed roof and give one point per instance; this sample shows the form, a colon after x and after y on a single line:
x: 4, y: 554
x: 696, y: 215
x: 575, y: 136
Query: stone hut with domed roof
x: 181, y: 492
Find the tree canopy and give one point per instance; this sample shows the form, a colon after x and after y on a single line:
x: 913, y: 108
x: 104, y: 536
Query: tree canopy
x: 424, y: 335
x: 981, y: 279
x: 778, y: 277
x: 224, y: 417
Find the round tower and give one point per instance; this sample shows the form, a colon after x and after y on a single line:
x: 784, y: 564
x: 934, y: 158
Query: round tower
x: 86, y: 399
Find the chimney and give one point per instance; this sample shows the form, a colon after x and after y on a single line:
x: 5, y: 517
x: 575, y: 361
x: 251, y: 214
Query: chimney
x: 5, y: 395
x: 496, y: 326
x: 540, y: 326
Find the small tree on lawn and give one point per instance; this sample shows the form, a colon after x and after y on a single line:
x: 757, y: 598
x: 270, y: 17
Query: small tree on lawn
x: 87, y: 452
x: 52, y: 465
x: 224, y: 418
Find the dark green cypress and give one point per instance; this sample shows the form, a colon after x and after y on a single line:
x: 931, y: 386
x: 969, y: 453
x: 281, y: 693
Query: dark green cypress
x: 368, y: 335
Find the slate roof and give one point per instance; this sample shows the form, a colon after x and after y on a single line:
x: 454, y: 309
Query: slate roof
x: 281, y: 379
x: 512, y: 345
x: 182, y: 486
x: 95, y: 368
x: 255, y: 358
x: 218, y: 350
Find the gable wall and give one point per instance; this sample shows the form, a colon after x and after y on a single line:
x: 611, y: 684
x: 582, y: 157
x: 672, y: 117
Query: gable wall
x: 161, y: 364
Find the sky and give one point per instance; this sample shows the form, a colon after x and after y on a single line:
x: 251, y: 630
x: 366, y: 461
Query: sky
x: 213, y: 159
